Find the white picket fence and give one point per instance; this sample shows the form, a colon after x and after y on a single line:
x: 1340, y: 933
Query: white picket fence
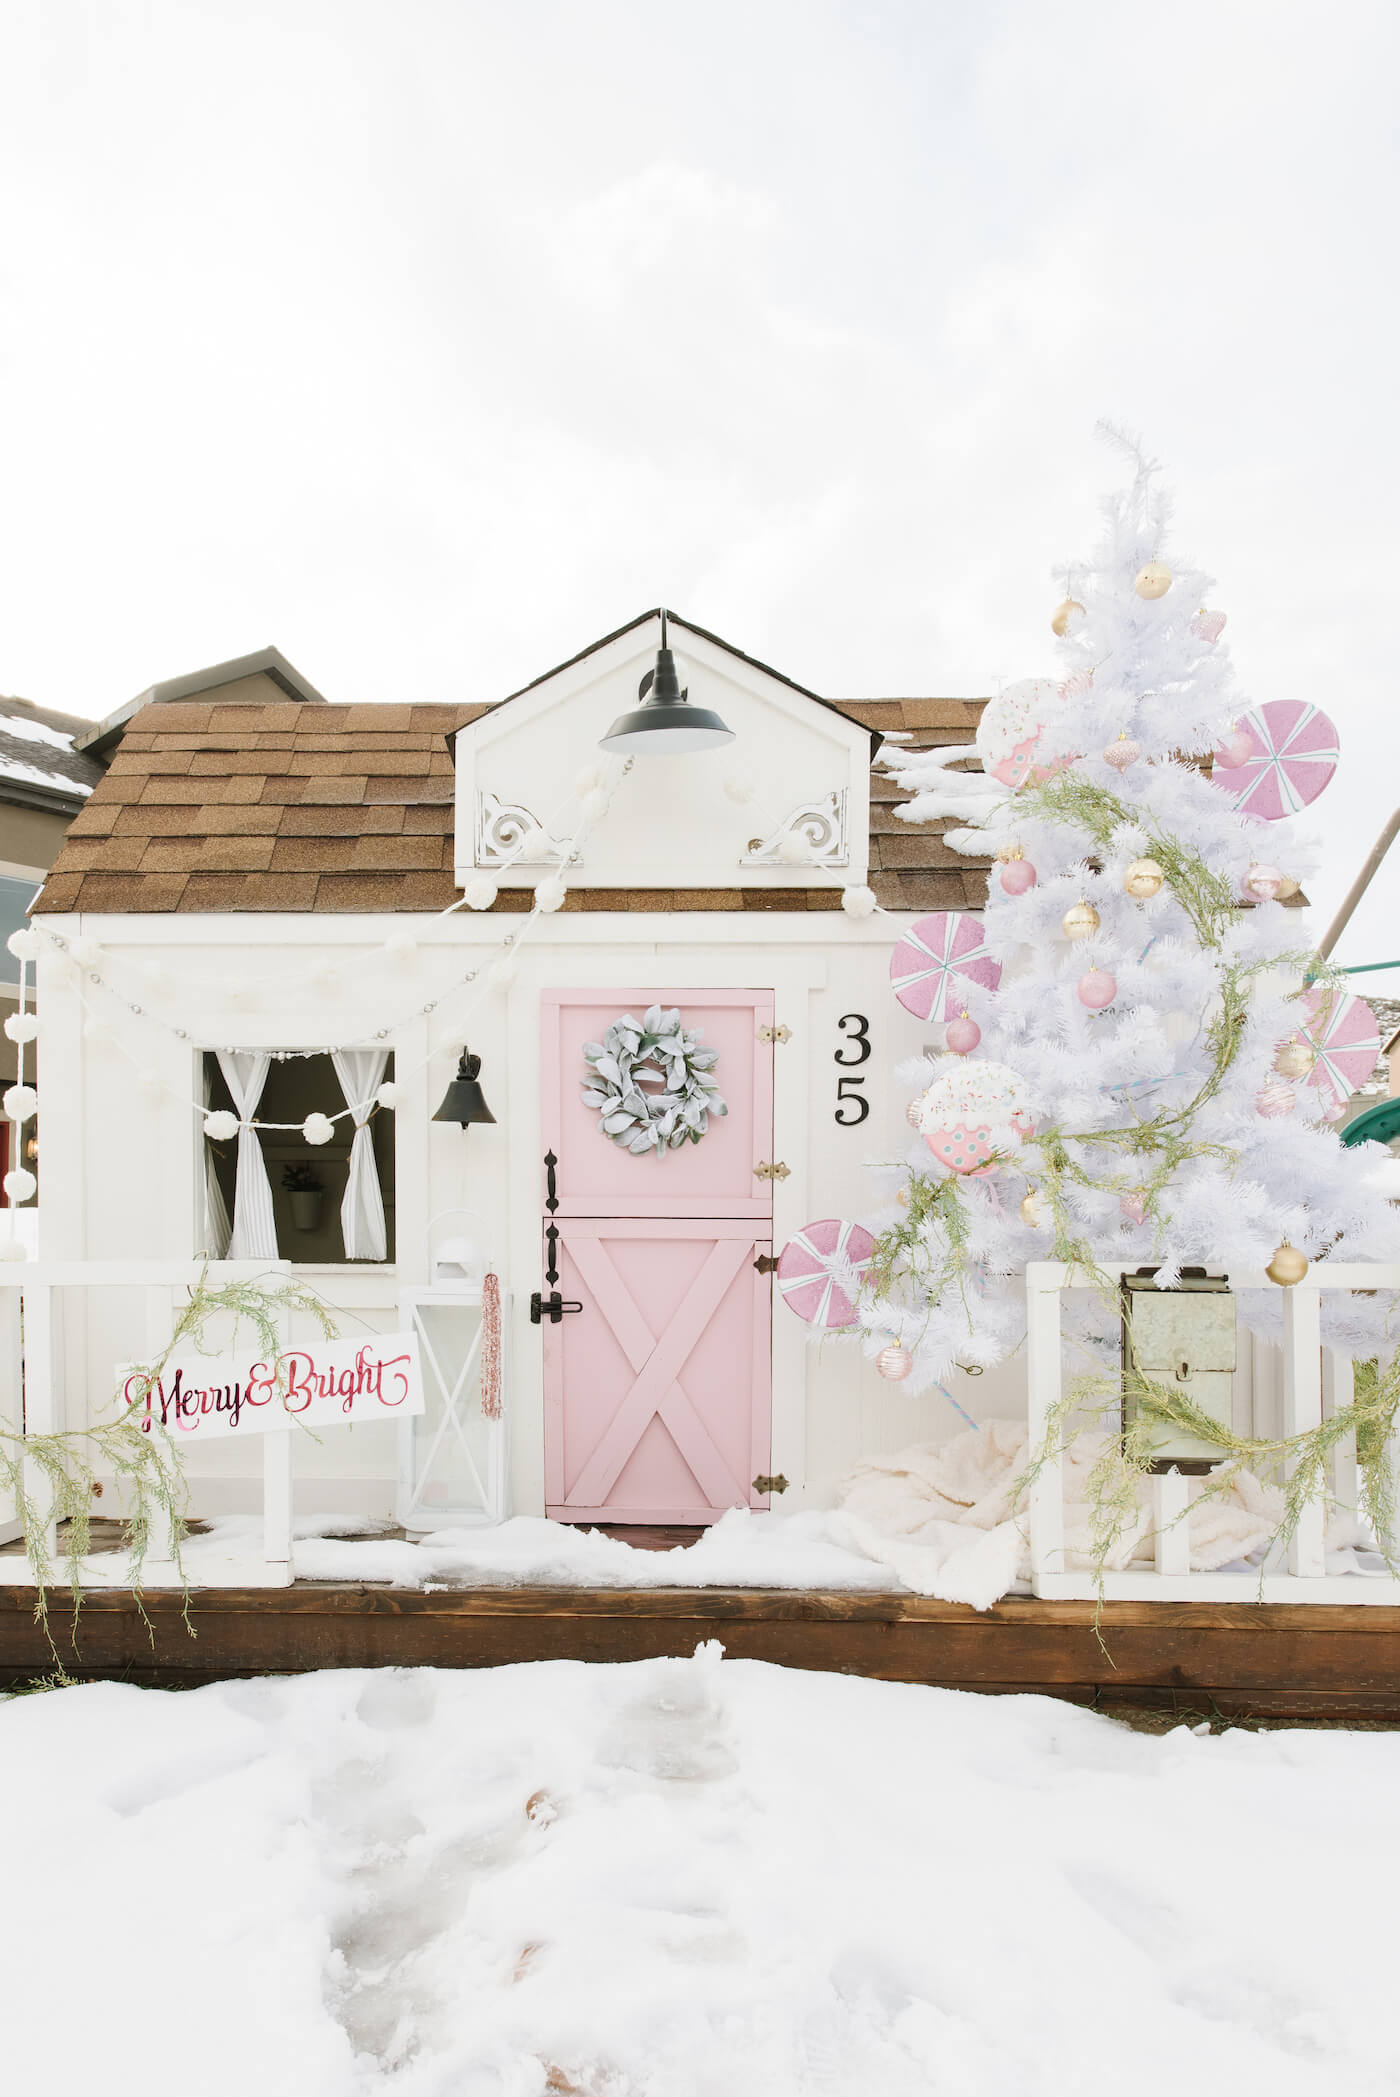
x: 31, y: 1397
x: 1312, y: 1378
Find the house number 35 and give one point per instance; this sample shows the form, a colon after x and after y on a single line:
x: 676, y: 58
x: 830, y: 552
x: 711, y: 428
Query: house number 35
x: 853, y: 1051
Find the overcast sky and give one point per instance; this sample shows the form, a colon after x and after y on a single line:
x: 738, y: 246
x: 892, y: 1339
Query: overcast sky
x: 431, y: 339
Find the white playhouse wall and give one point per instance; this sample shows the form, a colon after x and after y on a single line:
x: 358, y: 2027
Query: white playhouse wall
x: 123, y: 1160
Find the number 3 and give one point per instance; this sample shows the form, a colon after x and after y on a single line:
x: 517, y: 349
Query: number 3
x: 858, y: 1027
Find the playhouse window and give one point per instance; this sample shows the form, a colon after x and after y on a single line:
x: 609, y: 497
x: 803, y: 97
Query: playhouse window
x: 293, y: 1210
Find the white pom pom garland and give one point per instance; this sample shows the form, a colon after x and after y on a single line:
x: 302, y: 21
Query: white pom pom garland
x: 21, y: 1026
x: 20, y: 1102
x: 480, y: 893
x: 859, y: 902
x: 551, y: 893
x: 24, y: 944
x: 20, y: 1185
x: 387, y: 1096
x: 221, y: 1126
x: 318, y: 1128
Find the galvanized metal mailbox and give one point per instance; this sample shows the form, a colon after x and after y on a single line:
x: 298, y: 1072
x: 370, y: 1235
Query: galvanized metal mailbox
x: 1184, y: 1338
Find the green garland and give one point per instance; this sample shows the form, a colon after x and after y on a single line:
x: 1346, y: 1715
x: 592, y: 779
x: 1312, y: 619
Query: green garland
x: 1153, y: 1149
x: 145, y: 1463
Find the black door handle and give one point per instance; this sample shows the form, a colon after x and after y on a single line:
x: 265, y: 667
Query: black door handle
x: 552, y: 1307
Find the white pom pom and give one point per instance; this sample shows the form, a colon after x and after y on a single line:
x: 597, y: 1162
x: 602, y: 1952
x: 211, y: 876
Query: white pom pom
x: 387, y: 1096
x: 24, y: 944
x: 551, y: 893
x: 595, y: 805
x: 480, y: 893
x: 586, y: 781
x: 19, y: 1102
x: 221, y: 1126
x: 533, y: 843
x: 20, y: 1185
x: 96, y: 1029
x: 21, y: 1026
x: 151, y: 1083
x: 12, y: 1249
x: 318, y: 1128
x: 503, y: 970
x: 86, y: 952
x: 859, y: 902
x: 740, y: 787
x: 401, y: 947
x: 795, y: 850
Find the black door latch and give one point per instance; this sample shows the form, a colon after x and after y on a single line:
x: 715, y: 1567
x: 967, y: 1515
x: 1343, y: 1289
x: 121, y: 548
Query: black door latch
x: 552, y: 1307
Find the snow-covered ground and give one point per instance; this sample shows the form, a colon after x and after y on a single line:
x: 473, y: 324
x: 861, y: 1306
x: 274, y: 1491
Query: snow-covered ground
x: 683, y: 1879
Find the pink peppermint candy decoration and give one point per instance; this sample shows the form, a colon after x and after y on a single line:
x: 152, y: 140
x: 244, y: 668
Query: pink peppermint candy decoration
x: 1295, y: 756
x: 935, y: 960
x: 1344, y: 1032
x: 820, y: 1270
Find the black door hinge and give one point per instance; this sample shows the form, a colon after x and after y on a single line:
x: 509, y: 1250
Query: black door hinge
x: 552, y: 1307
x: 766, y: 1264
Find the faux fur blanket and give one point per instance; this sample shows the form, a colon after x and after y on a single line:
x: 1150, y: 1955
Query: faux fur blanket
x: 942, y: 1516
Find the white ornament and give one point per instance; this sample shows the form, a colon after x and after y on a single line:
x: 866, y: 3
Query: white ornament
x: 859, y: 902
x: 741, y: 787
x: 387, y: 1096
x: 595, y: 805
x: 21, y: 1026
x: 588, y: 780
x: 318, y: 1128
x: 86, y: 952
x: 551, y: 893
x: 480, y: 893
x: 24, y: 944
x: 20, y: 1102
x: 221, y: 1126
x: 401, y: 947
x: 20, y: 1185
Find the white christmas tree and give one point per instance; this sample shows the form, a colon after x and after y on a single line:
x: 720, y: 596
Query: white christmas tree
x: 1139, y: 1068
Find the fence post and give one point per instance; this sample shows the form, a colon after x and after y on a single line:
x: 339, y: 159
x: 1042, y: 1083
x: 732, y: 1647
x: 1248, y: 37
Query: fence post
x: 1046, y: 1512
x: 1302, y: 1411
x: 40, y: 1402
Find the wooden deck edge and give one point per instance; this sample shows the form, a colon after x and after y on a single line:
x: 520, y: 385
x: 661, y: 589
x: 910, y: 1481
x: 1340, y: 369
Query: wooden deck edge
x: 1231, y: 1658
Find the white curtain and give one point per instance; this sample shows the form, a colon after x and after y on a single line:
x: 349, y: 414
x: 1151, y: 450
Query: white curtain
x: 217, y: 1228
x: 361, y: 1072
x: 254, y: 1232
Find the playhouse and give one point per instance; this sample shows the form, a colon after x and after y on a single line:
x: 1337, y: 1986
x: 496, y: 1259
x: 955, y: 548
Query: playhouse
x: 274, y: 909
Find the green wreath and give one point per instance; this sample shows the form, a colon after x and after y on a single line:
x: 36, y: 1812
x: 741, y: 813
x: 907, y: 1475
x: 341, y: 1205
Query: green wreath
x: 660, y: 1055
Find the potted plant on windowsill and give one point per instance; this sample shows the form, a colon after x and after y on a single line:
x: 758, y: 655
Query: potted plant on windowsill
x: 306, y: 1194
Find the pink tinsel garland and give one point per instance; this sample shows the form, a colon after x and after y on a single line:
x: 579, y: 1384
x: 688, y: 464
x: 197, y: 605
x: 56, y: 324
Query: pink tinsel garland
x: 491, y: 1348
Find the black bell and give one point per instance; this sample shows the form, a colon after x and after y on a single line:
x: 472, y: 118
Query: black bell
x: 665, y: 724
x: 464, y: 1102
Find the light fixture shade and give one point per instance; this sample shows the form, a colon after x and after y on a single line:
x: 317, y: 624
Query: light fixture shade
x: 464, y: 1102
x: 665, y: 724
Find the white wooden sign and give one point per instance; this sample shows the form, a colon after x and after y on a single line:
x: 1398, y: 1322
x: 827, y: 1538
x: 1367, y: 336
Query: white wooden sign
x: 321, y: 1383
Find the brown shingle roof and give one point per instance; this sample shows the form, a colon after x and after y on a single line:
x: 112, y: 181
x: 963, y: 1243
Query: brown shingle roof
x: 297, y: 807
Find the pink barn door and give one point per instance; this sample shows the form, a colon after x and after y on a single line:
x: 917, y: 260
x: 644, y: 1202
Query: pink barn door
x: 658, y: 1389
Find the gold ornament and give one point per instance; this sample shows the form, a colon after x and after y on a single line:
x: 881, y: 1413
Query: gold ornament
x: 1080, y: 921
x: 1287, y: 1266
x: 1287, y: 887
x: 1143, y: 878
x: 1295, y: 1058
x: 903, y: 1197
x: 1154, y: 580
x: 1033, y: 1210
x: 1059, y: 625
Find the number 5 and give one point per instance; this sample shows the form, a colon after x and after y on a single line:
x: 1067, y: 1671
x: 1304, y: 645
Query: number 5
x: 857, y: 1100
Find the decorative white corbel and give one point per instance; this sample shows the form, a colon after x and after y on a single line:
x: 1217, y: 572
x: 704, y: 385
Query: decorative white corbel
x: 814, y: 834
x: 501, y: 826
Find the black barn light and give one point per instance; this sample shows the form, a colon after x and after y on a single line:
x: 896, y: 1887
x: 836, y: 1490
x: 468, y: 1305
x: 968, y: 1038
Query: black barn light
x: 464, y: 1102
x: 665, y: 724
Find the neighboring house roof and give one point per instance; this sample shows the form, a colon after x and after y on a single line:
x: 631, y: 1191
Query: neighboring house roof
x: 269, y: 663
x: 316, y: 807
x: 39, y: 765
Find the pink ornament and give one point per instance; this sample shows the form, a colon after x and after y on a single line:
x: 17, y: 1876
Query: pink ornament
x: 1235, y: 750
x: 1208, y: 626
x: 1133, y: 1208
x: 1018, y: 877
x: 1294, y: 756
x: 1077, y: 684
x: 1010, y: 730
x: 1123, y: 753
x: 1263, y: 882
x: 1276, y: 1098
x: 935, y: 959
x: 1097, y: 990
x: 894, y: 1363
x: 962, y: 1149
x: 911, y: 1113
x: 1344, y: 1032
x: 963, y: 1035
x: 820, y: 1270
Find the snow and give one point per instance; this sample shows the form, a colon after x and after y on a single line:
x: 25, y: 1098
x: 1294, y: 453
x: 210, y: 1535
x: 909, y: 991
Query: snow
x: 683, y: 1878
x: 29, y: 730
x: 27, y: 775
